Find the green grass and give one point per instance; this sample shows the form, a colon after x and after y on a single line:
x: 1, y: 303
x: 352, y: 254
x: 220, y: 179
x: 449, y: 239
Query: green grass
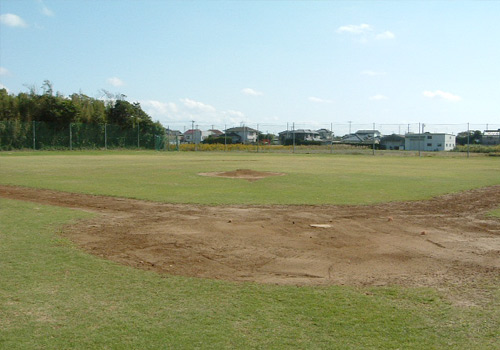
x: 54, y: 296
x: 311, y: 179
x: 495, y: 213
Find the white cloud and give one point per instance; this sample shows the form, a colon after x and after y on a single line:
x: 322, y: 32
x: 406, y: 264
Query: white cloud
x: 192, y: 104
x: 116, y: 82
x: 372, y: 73
x: 319, y: 100
x: 378, y: 97
x: 385, y: 35
x: 234, y: 114
x: 441, y: 94
x: 4, y: 87
x: 251, y: 92
x: 355, y: 29
x: 180, y: 115
x: 45, y: 10
x: 4, y: 71
x: 12, y: 20
x: 159, y: 108
x: 366, y: 32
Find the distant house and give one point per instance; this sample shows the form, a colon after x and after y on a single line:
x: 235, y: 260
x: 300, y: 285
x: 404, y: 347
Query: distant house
x: 214, y: 132
x: 300, y: 135
x: 491, y: 137
x: 195, y: 136
x: 432, y: 142
x: 173, y: 133
x: 362, y: 137
x: 392, y: 142
x: 325, y: 134
x: 173, y: 136
x: 242, y: 134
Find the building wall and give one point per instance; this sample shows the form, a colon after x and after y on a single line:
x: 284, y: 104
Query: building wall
x: 429, y: 142
x: 394, y: 145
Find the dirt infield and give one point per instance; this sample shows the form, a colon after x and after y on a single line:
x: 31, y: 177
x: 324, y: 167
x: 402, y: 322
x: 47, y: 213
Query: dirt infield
x: 446, y: 240
x: 246, y: 174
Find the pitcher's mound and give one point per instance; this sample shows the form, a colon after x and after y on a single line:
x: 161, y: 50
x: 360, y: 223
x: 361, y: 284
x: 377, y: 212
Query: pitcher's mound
x: 247, y: 174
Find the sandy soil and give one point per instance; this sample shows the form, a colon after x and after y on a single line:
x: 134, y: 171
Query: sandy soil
x: 444, y: 241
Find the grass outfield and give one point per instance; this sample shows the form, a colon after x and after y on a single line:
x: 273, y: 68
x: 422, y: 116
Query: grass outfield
x: 53, y: 296
x: 311, y: 179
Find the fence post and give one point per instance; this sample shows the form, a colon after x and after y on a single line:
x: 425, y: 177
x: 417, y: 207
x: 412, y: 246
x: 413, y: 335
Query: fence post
x: 167, y: 145
x: 34, y: 135
x: 257, y: 138
x: 331, y: 138
x: 373, y: 146
x: 70, y: 138
x: 137, y: 135
x: 468, y: 140
x: 419, y: 140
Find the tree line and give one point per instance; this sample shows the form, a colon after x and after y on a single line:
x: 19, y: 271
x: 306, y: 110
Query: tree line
x: 20, y: 113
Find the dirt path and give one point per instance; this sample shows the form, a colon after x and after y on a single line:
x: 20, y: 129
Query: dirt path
x: 444, y: 241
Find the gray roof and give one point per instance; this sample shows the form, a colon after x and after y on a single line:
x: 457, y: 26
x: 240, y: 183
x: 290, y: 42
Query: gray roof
x: 241, y: 129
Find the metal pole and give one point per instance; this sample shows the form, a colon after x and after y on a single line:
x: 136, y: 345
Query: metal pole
x: 105, y: 136
x: 331, y: 137
x: 419, y: 139
x: 468, y: 140
x: 34, y: 135
x: 70, y: 138
x: 293, y: 136
x: 257, y: 138
x: 199, y: 141
x: 192, y: 133
x: 373, y: 146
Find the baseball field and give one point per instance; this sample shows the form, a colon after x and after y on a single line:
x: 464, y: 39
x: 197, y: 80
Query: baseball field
x: 128, y: 250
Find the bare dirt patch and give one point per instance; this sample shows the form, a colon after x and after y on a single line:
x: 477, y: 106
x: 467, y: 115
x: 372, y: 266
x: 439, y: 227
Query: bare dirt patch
x: 246, y: 174
x: 440, y: 242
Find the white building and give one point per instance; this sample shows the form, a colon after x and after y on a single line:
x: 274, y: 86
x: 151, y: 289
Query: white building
x: 430, y: 142
x: 195, y: 136
x: 242, y: 134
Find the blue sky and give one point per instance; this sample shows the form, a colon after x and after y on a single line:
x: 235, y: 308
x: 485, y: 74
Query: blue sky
x: 267, y: 62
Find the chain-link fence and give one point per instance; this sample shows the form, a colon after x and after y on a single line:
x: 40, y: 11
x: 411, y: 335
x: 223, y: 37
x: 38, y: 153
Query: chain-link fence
x: 303, y: 137
x: 47, y: 136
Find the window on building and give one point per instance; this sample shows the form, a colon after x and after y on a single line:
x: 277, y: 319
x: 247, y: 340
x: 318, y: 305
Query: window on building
x: 429, y: 145
x: 429, y: 137
x: 440, y: 144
